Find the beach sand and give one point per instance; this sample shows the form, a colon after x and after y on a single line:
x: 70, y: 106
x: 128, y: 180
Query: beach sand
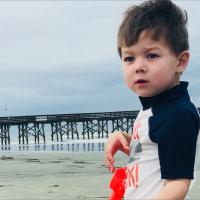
x: 59, y: 175
x: 54, y: 176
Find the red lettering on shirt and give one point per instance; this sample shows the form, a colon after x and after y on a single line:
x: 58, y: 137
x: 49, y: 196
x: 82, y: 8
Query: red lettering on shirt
x: 136, y: 128
x: 132, y: 176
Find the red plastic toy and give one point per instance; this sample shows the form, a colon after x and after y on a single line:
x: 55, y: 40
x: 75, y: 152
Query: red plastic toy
x: 117, y: 184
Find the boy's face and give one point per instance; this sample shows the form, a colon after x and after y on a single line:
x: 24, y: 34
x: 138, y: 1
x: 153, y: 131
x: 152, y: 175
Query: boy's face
x: 150, y: 66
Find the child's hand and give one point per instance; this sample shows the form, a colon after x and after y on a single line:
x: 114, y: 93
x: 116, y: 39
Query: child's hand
x: 117, y: 141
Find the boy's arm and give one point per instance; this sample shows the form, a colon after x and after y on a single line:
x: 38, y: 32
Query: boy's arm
x: 173, y: 190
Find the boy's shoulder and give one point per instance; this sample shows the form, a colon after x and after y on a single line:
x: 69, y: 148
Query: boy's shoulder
x: 177, y: 118
x: 179, y: 109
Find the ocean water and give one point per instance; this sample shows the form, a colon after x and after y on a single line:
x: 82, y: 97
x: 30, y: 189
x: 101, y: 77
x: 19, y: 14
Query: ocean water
x: 68, y: 146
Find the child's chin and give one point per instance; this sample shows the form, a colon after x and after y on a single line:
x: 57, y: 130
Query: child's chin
x: 144, y: 95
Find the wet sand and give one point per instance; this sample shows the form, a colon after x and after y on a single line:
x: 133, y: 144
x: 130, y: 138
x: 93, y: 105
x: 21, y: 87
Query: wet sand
x: 59, y: 175
x: 54, y: 176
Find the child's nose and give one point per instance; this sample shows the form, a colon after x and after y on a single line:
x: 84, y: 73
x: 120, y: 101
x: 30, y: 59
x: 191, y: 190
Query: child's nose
x: 140, y: 66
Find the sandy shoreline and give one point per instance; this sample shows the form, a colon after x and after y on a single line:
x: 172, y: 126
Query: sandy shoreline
x: 59, y: 175
x: 53, y: 176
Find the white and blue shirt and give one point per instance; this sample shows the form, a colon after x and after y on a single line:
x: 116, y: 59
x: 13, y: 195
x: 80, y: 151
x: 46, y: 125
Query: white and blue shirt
x: 163, y: 144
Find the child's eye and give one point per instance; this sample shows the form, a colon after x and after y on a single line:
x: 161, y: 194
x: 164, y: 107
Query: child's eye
x: 152, y: 56
x: 129, y: 59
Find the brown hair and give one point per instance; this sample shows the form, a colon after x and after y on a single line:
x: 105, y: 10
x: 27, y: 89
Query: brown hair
x: 160, y: 18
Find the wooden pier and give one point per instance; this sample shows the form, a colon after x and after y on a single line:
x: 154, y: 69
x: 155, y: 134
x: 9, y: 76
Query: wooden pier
x: 65, y: 126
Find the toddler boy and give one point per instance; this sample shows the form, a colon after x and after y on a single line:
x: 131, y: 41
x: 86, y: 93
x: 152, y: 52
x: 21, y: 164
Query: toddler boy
x: 153, y: 46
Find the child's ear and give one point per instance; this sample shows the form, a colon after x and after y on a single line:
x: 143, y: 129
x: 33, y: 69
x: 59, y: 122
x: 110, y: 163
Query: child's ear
x: 183, y: 59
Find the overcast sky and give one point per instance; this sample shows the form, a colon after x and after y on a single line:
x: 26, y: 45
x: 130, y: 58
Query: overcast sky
x: 60, y: 57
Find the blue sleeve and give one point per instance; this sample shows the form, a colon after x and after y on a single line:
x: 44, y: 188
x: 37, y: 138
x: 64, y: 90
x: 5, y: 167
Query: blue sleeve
x: 176, y: 138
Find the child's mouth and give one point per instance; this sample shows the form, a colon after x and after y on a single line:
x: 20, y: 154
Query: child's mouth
x: 140, y: 81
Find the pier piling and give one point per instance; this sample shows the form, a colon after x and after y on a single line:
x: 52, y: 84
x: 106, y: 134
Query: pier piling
x: 64, y: 127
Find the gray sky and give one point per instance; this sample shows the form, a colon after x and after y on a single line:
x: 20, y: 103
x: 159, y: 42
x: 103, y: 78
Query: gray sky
x: 60, y: 57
